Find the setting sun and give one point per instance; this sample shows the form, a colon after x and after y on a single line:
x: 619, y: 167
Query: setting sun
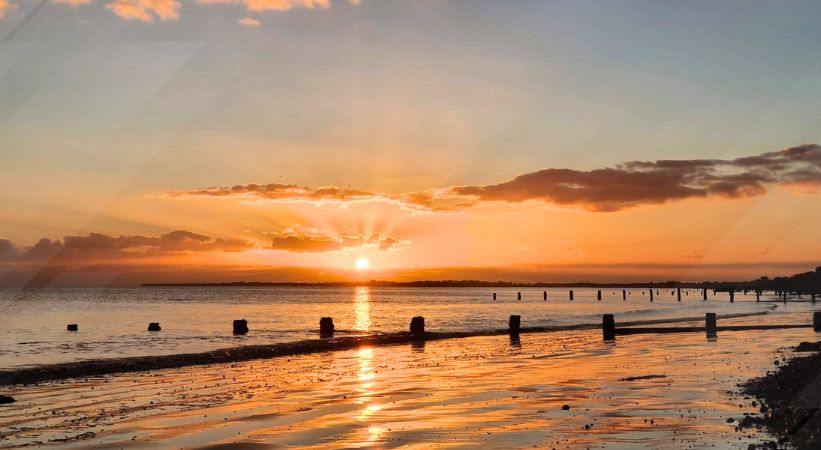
x: 362, y: 264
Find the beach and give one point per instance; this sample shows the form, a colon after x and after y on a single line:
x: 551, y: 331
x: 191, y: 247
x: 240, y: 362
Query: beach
x: 566, y: 389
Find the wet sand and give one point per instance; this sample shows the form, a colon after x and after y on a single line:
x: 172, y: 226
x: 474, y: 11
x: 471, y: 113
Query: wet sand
x: 643, y: 391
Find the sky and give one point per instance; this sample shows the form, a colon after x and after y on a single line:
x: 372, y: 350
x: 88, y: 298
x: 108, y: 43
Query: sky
x: 282, y: 140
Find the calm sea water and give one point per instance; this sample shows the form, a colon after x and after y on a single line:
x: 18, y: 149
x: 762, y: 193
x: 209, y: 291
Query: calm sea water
x: 113, y: 321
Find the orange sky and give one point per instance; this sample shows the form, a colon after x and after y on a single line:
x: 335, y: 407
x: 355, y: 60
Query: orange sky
x: 281, y: 140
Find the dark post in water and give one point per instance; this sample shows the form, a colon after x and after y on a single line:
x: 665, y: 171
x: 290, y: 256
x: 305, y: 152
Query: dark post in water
x: 710, y: 322
x: 678, y: 293
x: 326, y: 327
x: 705, y: 294
x: 571, y: 294
x: 154, y: 326
x: 732, y: 296
x: 816, y: 321
x: 417, y: 325
x: 240, y: 326
x: 608, y: 327
x: 757, y: 295
x: 494, y: 296
x: 72, y: 327
x: 514, y: 324
x: 519, y: 296
x: 545, y: 295
x: 598, y: 295
x: 651, y: 295
x: 624, y: 294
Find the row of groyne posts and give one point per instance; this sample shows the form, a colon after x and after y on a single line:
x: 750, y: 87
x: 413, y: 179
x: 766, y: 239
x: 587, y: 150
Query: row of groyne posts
x: 417, y: 326
x: 782, y: 294
x: 609, y: 330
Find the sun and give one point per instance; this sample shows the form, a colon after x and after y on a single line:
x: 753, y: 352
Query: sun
x: 362, y: 263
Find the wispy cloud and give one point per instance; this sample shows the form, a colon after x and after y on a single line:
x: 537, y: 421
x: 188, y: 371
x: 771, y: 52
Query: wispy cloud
x: 169, y: 10
x: 627, y: 185
x: 249, y: 22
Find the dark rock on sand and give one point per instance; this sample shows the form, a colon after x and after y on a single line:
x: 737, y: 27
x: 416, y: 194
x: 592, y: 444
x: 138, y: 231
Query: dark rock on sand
x: 792, y: 395
x: 808, y: 347
x: 565, y: 407
x: 5, y: 400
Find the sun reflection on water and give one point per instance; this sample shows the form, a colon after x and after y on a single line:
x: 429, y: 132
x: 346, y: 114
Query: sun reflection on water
x: 362, y: 309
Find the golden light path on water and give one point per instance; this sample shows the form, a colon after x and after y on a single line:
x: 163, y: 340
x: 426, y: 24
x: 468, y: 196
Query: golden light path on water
x: 366, y: 373
x: 362, y: 309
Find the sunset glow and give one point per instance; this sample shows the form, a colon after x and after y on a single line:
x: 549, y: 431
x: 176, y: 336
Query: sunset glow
x: 285, y: 145
x: 362, y: 264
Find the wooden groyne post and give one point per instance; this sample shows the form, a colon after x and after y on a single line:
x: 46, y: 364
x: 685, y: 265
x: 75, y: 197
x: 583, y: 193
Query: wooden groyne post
x: 598, y: 295
x: 608, y: 327
x: 710, y: 323
x: 545, y: 295
x: 326, y: 327
x: 816, y: 321
x: 571, y: 294
x: 518, y: 296
x: 624, y: 294
x: 240, y: 326
x: 72, y: 327
x: 651, y: 295
x: 705, y: 294
x: 154, y: 326
x: 678, y: 293
x: 757, y: 295
x: 494, y: 296
x: 417, y: 326
x: 732, y: 296
x: 514, y: 325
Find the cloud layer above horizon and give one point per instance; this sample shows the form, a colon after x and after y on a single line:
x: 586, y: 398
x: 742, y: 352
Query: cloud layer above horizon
x: 627, y: 185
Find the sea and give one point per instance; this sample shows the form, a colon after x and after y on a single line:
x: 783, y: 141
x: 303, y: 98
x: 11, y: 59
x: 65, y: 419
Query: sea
x: 113, y: 322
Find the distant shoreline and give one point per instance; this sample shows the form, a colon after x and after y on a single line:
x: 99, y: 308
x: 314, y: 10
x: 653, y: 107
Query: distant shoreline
x: 807, y: 281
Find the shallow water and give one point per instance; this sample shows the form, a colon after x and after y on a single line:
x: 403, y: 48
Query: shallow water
x: 113, y: 321
x: 480, y: 392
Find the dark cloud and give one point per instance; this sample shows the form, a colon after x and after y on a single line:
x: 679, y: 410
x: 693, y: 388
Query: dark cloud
x: 302, y: 243
x: 624, y: 186
x: 97, y: 246
x: 653, y: 182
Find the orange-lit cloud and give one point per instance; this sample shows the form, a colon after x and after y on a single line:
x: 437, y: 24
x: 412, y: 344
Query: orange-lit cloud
x: 145, y: 10
x: 249, y: 22
x: 5, y: 6
x: 624, y: 186
x: 293, y: 242
x: 73, y: 2
x: 149, y: 10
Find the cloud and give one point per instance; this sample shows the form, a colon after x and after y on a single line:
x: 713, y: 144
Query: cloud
x: 285, y: 5
x: 145, y: 10
x: 5, y: 6
x: 97, y: 247
x: 303, y: 243
x: 627, y: 185
x: 249, y: 22
x: 72, y: 3
x: 644, y: 182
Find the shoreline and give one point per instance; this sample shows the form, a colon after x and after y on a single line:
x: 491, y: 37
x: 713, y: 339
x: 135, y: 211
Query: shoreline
x: 99, y: 367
